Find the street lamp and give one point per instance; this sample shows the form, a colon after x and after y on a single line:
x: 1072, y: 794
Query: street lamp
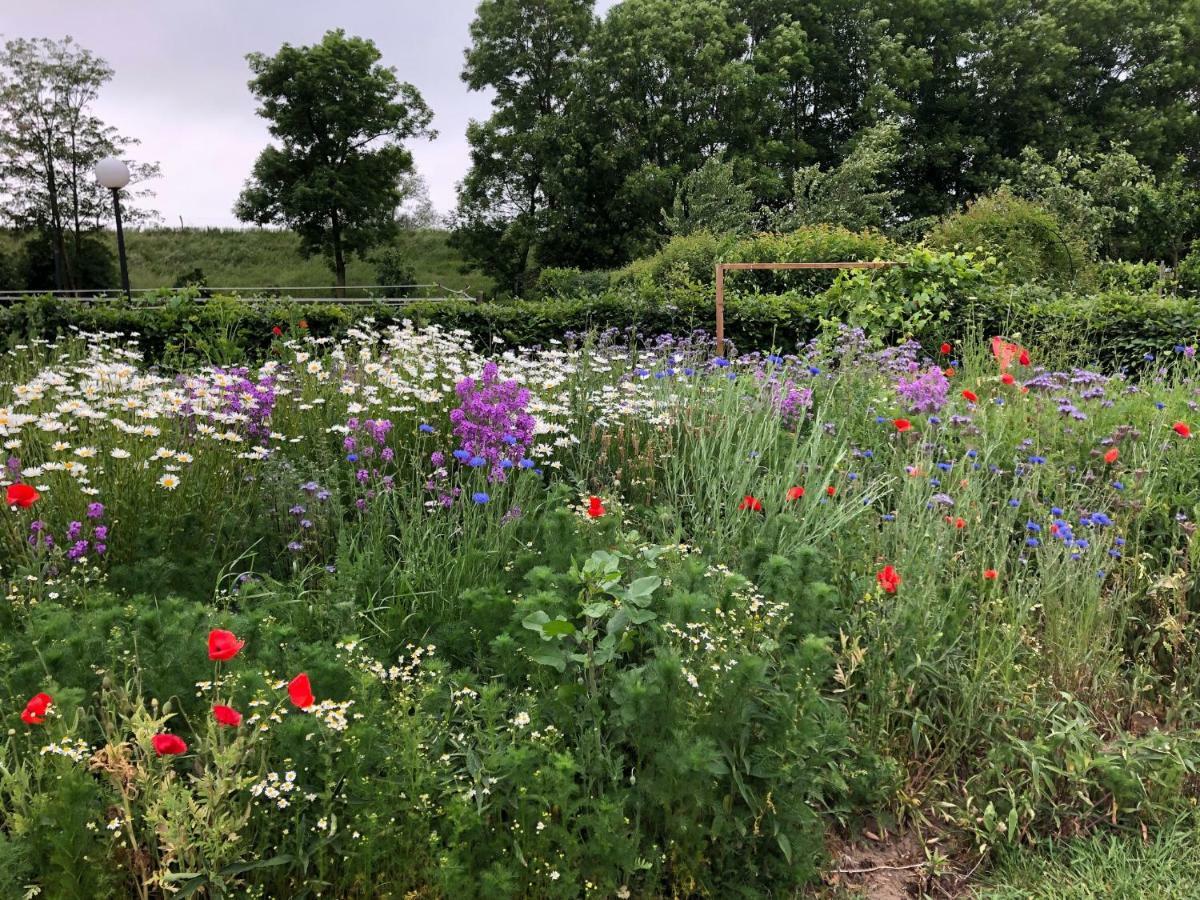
x: 114, y: 175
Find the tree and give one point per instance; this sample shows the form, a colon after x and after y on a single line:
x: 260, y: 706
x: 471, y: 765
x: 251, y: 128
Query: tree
x: 341, y: 119
x: 416, y: 209
x: 854, y: 193
x: 710, y: 199
x: 527, y: 53
x: 51, y: 142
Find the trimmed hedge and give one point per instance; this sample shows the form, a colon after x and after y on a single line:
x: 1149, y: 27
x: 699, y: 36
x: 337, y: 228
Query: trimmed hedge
x: 1114, y: 330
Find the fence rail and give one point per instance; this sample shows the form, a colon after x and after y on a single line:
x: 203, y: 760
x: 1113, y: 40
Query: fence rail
x: 392, y: 294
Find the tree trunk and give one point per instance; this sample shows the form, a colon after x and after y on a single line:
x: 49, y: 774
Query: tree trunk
x: 339, y: 256
x: 56, y: 225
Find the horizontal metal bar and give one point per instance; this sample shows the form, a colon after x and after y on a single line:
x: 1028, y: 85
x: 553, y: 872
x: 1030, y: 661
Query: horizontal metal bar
x: 809, y: 265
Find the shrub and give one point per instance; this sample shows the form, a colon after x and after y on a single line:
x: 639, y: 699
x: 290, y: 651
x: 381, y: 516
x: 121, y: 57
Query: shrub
x: 94, y: 267
x: 1123, y: 275
x: 815, y: 243
x: 393, y: 270
x: 562, y: 283
x: 690, y: 256
x: 1189, y: 271
x: 1031, y: 244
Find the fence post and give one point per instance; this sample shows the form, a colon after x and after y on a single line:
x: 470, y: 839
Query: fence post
x: 720, y: 309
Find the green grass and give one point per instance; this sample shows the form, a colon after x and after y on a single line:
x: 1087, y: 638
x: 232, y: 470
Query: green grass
x: 1104, y: 865
x: 260, y: 258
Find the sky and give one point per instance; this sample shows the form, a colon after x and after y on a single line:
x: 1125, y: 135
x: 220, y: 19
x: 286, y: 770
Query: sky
x: 180, y: 80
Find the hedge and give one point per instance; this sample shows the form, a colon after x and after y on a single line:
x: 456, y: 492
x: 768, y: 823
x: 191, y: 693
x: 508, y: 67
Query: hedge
x: 1114, y: 330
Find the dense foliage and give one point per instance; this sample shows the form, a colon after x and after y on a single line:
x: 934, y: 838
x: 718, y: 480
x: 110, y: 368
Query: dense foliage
x: 386, y: 614
x: 340, y: 118
x: 860, y: 113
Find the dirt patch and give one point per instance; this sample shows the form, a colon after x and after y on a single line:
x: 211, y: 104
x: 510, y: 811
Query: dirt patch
x: 890, y: 866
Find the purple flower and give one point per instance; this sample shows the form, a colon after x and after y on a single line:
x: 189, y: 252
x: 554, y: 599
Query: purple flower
x: 492, y: 422
x: 925, y: 393
x: 95, y: 510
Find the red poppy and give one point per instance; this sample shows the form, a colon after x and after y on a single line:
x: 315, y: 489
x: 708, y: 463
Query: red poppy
x: 1111, y: 456
x: 794, y: 493
x: 989, y: 574
x: 960, y: 522
x: 970, y: 396
x: 1181, y: 429
x: 595, y: 507
x: 277, y: 331
x: 888, y: 578
x: 227, y: 715
x: 1007, y: 378
x: 22, y: 495
x: 830, y: 490
x: 1005, y: 353
x: 902, y: 424
x: 168, y: 744
x: 304, y: 324
x: 35, y: 709
x: 300, y: 690
x: 750, y: 502
x: 949, y: 373
x: 223, y: 645
x: 945, y: 348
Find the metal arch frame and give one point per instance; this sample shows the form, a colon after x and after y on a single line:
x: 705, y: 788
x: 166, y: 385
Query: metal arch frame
x: 722, y: 268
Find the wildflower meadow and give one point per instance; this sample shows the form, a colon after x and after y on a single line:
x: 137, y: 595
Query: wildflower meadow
x: 409, y: 613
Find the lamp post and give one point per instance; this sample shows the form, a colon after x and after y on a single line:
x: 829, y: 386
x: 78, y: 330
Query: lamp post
x: 114, y: 175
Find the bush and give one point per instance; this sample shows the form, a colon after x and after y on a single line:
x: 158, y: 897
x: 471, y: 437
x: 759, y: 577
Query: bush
x: 691, y: 257
x: 94, y: 266
x: 9, y: 279
x: 562, y: 283
x: 1030, y: 242
x: 1122, y: 275
x: 393, y: 270
x: 815, y: 243
x: 1189, y: 271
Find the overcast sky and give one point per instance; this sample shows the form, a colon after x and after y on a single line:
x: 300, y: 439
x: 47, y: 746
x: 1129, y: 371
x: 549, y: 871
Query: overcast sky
x: 180, y: 82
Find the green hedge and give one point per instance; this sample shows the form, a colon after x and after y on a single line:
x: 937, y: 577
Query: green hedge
x: 1115, y: 329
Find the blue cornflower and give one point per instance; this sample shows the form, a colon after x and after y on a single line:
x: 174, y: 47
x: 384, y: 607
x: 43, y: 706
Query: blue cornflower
x: 1160, y: 405
x: 971, y: 454
x: 1120, y: 542
x: 1032, y: 542
x: 1120, y: 486
x: 813, y: 370
x: 461, y: 455
x: 1033, y: 526
x: 476, y: 461
x: 869, y: 454
x: 945, y: 466
x: 506, y: 463
x: 720, y: 362
x: 1037, y: 460
x: 776, y: 359
x: 935, y: 420
x: 509, y: 439
x: 480, y: 497
x: 351, y: 457
x: 852, y: 476
x: 526, y: 464
x: 879, y: 420
x: 1014, y: 502
x: 888, y: 517
x: 426, y: 427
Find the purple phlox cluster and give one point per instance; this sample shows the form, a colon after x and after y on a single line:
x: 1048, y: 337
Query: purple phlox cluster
x: 237, y: 395
x: 81, y: 535
x: 492, y: 423
x: 923, y: 392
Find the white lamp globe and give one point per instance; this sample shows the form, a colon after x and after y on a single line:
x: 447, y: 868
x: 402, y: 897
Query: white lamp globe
x: 112, y: 173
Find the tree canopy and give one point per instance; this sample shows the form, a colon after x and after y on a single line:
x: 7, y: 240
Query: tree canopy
x: 597, y: 124
x: 340, y: 118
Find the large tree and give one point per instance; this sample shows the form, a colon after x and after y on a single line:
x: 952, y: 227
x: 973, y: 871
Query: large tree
x: 790, y: 89
x: 50, y: 141
x: 527, y: 53
x: 340, y: 119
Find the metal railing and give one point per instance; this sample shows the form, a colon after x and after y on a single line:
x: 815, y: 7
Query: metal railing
x: 392, y: 294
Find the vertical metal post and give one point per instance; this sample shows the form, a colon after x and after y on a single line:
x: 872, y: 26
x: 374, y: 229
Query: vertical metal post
x: 121, y: 244
x: 720, y: 309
